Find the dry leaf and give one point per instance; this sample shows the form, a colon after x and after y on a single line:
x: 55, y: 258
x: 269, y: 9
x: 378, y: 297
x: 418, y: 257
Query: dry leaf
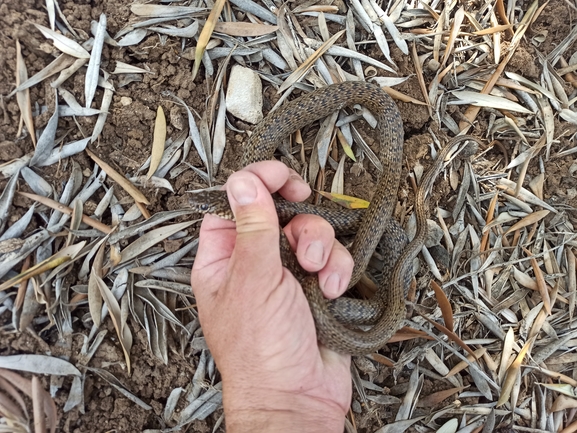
x: 244, y: 29
x: 346, y: 201
x: 205, y: 35
x: 157, y: 142
x: 23, y: 96
x: 120, y: 179
x: 67, y: 46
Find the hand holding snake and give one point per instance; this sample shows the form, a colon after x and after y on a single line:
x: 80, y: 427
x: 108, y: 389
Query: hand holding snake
x: 387, y: 308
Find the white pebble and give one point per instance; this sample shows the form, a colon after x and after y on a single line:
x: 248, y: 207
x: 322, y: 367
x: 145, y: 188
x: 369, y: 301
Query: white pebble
x: 244, y: 95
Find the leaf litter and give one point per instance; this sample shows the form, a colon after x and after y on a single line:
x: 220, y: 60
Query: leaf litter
x: 489, y: 336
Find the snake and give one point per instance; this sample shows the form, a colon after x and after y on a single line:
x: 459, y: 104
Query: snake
x: 385, y: 312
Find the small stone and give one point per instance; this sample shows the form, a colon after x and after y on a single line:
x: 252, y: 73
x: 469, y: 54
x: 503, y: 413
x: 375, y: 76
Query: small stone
x: 434, y: 231
x: 176, y: 118
x: 9, y: 151
x: 244, y: 95
x: 416, y: 266
x: 356, y: 407
x: 125, y: 101
x: 365, y: 365
x: 86, y: 172
x: 441, y: 257
x: 188, y: 53
x: 433, y: 65
x: 434, y: 234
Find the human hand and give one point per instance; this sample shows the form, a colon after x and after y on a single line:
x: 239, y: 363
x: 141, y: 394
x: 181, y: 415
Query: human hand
x: 255, y: 317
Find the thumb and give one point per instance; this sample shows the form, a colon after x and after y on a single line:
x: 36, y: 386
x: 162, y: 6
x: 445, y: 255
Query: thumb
x: 257, y: 227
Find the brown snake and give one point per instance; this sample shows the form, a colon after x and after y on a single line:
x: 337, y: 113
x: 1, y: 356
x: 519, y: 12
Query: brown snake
x: 386, y: 310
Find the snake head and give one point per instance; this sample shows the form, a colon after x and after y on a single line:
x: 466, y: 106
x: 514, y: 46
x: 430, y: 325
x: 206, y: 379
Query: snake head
x: 211, y: 202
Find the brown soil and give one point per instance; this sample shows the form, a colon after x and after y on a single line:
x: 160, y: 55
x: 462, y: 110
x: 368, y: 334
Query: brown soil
x: 125, y: 144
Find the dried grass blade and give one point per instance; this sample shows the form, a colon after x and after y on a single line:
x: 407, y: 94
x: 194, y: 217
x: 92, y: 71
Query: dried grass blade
x: 157, y: 142
x: 205, y: 35
x: 309, y: 62
x: 68, y: 211
x: 23, y: 97
x: 120, y: 179
x: 445, y: 305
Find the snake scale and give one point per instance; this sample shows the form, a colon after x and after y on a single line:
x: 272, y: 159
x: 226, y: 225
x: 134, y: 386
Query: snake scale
x: 386, y: 310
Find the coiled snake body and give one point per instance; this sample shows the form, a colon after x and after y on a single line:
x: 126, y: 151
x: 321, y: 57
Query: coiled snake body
x: 386, y: 310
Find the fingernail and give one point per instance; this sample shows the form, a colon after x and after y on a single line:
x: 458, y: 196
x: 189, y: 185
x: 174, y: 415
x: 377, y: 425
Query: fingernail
x: 332, y: 285
x: 297, y: 178
x: 314, y: 252
x: 243, y: 190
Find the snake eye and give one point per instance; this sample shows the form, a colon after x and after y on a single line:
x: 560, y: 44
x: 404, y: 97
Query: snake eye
x: 204, y: 207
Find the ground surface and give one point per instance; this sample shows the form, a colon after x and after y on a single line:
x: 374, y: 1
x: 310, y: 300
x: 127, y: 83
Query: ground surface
x: 125, y: 144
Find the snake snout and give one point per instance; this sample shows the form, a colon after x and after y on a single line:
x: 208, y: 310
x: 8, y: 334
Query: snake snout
x: 211, y: 202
